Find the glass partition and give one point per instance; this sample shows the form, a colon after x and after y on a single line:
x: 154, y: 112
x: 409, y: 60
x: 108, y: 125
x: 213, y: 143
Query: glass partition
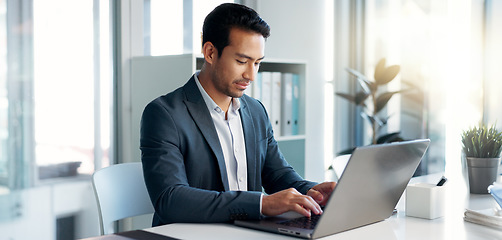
x: 55, y: 93
x: 4, y: 102
x: 439, y: 46
x: 444, y: 51
x: 3, y: 96
x: 72, y: 87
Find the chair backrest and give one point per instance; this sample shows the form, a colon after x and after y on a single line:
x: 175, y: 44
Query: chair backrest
x: 121, y: 193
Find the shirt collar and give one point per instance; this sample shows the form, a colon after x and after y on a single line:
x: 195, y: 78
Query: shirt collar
x: 211, y: 105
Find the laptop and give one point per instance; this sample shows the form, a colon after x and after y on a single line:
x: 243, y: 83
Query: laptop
x: 367, y: 192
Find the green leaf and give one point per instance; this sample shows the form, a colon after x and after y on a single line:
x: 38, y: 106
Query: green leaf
x: 361, y: 97
x: 383, y: 99
x: 386, y: 75
x: 347, y: 96
x: 381, y: 122
x: 390, y: 137
x: 380, y: 68
x: 365, y: 83
x: 366, y: 116
x: 358, y: 99
x: 482, y: 142
x: 385, y: 119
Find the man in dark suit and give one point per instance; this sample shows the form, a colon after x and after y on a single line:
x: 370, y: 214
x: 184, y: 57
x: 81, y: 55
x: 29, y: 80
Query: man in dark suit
x: 208, y: 149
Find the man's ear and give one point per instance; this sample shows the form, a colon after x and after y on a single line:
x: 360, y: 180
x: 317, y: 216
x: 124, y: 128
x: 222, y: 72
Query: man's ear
x: 210, y: 52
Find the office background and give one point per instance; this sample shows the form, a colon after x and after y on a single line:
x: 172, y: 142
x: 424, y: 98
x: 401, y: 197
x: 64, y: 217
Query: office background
x: 65, y: 86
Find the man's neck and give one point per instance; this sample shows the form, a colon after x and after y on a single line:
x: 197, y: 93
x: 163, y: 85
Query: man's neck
x: 223, y: 101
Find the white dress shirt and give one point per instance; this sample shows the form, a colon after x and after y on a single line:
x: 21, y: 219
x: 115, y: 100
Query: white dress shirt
x: 231, y: 136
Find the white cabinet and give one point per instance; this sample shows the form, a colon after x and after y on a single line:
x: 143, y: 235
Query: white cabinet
x: 153, y: 76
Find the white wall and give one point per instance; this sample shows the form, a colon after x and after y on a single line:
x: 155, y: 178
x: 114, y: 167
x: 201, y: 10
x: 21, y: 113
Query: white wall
x: 297, y: 32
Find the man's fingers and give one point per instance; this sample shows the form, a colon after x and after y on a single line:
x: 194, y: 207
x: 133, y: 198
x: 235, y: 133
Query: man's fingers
x: 309, y: 204
x: 316, y: 195
x: 322, y: 192
x: 289, y: 200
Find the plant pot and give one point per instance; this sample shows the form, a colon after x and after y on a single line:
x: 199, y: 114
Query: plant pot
x: 482, y: 173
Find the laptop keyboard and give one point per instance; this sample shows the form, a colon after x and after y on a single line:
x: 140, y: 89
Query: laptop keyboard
x: 302, y: 222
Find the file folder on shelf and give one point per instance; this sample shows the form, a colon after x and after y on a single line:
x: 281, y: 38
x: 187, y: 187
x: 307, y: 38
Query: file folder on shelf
x: 279, y: 93
x: 287, y: 104
x: 276, y: 103
x: 266, y: 92
x: 295, y: 105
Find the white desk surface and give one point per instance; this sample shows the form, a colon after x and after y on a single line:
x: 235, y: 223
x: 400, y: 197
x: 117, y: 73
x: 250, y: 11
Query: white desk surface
x: 399, y: 226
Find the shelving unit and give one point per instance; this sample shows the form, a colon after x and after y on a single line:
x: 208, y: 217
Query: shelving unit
x: 153, y: 76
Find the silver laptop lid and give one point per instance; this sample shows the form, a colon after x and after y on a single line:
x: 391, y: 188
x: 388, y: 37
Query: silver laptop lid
x: 371, y: 185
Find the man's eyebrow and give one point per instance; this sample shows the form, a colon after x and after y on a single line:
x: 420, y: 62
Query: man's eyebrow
x: 248, y: 57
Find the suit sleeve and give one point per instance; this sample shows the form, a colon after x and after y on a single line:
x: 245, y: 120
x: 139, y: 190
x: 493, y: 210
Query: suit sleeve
x: 277, y: 174
x: 173, y: 198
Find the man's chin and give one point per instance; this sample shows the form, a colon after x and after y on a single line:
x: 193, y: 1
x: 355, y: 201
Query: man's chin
x: 237, y: 94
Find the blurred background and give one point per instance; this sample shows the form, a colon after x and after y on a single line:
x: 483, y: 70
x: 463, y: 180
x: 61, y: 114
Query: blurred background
x: 65, y: 86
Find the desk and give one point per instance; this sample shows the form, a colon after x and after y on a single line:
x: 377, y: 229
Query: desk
x: 399, y: 226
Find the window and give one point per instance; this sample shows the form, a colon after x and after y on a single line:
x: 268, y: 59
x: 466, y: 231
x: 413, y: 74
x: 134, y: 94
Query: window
x: 4, y: 102
x: 55, y: 89
x: 69, y: 65
x: 166, y: 27
x: 176, y: 26
x: 439, y: 46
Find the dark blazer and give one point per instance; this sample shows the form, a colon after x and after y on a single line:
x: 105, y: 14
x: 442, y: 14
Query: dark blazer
x: 183, y: 162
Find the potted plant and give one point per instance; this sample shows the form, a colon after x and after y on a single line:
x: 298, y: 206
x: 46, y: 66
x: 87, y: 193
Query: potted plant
x: 482, y: 146
x: 373, y: 98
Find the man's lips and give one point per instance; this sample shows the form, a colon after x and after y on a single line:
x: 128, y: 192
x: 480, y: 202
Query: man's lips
x: 242, y: 84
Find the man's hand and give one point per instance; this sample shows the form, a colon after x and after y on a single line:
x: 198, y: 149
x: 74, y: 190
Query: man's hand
x: 321, y: 192
x: 289, y: 200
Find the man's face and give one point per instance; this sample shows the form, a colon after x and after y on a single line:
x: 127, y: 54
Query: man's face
x: 239, y: 62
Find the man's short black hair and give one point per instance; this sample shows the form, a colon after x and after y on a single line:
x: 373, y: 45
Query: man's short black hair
x: 217, y: 25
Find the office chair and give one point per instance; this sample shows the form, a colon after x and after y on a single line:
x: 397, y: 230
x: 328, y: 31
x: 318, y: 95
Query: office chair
x: 120, y: 193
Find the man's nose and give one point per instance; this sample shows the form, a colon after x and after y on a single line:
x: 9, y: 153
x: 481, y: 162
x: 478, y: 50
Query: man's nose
x: 250, y: 73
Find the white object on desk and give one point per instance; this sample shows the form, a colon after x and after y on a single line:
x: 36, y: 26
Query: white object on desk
x: 489, y: 217
x: 425, y: 200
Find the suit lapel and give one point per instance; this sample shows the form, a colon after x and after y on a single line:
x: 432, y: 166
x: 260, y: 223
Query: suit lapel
x: 250, y: 140
x: 201, y: 116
